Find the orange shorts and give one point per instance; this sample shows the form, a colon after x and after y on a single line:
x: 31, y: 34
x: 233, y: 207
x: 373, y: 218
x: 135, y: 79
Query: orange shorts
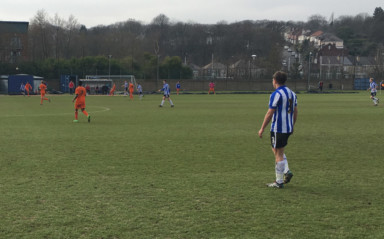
x: 79, y: 105
x: 211, y: 89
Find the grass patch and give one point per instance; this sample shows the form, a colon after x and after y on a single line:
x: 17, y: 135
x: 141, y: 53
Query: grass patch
x: 194, y: 171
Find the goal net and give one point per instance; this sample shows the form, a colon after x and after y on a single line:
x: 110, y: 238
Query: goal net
x: 101, y: 84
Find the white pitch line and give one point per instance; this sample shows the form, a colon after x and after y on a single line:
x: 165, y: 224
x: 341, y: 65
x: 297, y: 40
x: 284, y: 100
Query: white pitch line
x: 104, y: 109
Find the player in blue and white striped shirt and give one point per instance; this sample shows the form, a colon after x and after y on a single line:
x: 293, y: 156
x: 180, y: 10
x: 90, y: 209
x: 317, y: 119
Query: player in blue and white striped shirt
x: 140, y: 90
x: 373, y: 88
x: 167, y: 92
x: 283, y: 114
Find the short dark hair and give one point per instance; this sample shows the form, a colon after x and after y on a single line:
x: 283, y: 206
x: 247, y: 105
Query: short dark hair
x: 80, y: 83
x: 280, y: 77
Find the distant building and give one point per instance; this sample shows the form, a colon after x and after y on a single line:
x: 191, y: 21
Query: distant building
x: 315, y: 38
x: 195, y: 70
x: 332, y: 50
x: 214, y: 70
x: 328, y: 38
x: 13, y: 41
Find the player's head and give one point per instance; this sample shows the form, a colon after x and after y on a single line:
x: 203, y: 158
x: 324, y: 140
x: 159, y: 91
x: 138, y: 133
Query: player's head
x: 280, y: 77
x: 80, y: 83
x: 371, y: 80
x: 164, y: 81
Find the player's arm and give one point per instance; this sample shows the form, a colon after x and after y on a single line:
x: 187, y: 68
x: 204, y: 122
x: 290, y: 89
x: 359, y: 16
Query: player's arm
x: 75, y: 98
x: 295, y: 112
x: 267, y: 119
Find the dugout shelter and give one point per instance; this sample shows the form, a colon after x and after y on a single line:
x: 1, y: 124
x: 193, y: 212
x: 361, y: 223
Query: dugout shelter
x: 103, y: 85
x: 11, y: 84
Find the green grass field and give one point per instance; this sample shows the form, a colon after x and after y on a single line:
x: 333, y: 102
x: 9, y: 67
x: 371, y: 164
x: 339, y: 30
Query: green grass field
x: 194, y: 171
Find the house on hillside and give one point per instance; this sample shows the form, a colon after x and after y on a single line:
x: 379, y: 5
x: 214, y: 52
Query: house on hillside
x: 195, y: 70
x: 315, y: 38
x: 305, y: 34
x: 243, y: 69
x: 13, y: 41
x: 331, y: 49
x: 292, y: 36
x: 344, y: 67
x: 214, y: 70
x: 328, y: 38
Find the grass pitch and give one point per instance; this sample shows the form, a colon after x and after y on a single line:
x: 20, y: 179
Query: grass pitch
x: 194, y: 171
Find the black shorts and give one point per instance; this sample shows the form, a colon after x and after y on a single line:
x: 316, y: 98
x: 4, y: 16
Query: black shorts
x: 373, y: 94
x: 279, y: 140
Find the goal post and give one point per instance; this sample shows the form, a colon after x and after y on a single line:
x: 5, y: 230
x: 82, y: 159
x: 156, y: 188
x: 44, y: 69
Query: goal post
x: 105, y: 82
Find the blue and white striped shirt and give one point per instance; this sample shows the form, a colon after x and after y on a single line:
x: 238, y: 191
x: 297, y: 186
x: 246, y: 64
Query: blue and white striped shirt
x: 284, y: 101
x: 373, y: 86
x: 166, y: 89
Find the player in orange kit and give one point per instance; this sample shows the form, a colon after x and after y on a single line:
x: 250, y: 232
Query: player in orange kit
x: 42, y: 88
x: 112, y: 92
x: 211, y: 88
x: 131, y: 87
x: 28, y: 87
x: 80, y: 93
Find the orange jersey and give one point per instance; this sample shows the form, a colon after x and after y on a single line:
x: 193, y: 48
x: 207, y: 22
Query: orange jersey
x: 28, y: 87
x: 130, y: 87
x: 81, y: 93
x: 42, y: 88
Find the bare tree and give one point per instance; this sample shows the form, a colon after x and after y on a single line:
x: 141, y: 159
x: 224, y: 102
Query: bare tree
x: 39, y: 35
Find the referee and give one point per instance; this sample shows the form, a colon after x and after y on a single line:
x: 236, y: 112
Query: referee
x: 283, y: 114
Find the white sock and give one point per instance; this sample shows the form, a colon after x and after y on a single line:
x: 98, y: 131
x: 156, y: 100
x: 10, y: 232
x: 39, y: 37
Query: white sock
x: 170, y: 101
x: 279, y: 168
x: 286, y: 168
x: 162, y: 102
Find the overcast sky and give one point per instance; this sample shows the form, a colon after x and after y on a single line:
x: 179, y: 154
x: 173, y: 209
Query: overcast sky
x: 104, y: 12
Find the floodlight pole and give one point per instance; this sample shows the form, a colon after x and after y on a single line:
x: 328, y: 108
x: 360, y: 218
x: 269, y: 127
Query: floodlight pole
x: 109, y: 66
x: 253, y: 64
x: 309, y: 69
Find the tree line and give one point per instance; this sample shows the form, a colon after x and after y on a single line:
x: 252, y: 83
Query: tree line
x: 168, y: 49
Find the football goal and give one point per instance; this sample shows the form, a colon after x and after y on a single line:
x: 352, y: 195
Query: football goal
x: 101, y: 84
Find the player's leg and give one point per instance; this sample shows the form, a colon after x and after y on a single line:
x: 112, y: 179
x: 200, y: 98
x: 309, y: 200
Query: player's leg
x: 76, y: 115
x: 287, y: 173
x: 162, y: 102
x: 44, y: 98
x: 86, y: 113
x: 373, y: 98
x: 170, y: 101
x: 279, y: 168
x: 278, y: 143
